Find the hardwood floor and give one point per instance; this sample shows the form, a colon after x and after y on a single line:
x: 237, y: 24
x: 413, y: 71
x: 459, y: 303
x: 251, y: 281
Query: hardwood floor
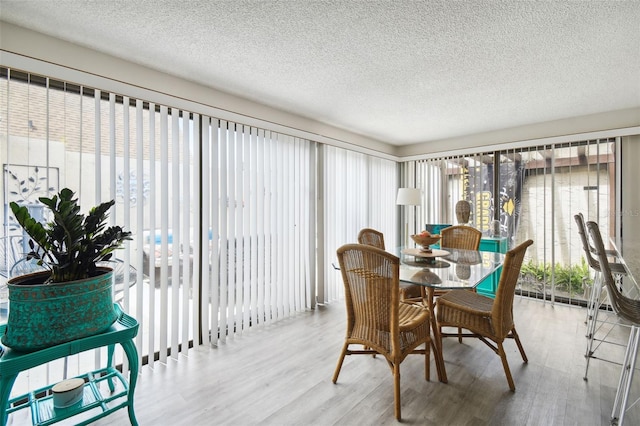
x: 281, y: 375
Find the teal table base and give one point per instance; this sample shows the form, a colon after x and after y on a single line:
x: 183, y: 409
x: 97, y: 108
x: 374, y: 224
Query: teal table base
x: 94, y: 400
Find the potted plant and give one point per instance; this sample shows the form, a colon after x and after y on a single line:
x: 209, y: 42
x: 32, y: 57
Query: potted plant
x: 72, y: 298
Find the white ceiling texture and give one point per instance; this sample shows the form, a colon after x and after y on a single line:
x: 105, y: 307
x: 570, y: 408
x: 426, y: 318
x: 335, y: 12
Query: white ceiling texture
x: 401, y: 72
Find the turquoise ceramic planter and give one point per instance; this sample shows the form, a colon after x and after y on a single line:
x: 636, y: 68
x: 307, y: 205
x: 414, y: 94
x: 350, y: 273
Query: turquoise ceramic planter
x: 42, y: 315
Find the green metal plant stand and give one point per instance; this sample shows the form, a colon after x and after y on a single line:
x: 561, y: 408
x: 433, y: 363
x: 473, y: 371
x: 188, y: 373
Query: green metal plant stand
x: 12, y: 362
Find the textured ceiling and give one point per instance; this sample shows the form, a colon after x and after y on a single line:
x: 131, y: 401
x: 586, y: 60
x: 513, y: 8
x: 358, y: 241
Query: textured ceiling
x: 401, y: 72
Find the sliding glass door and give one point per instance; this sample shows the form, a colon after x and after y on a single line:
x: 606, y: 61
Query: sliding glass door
x: 529, y: 193
x: 223, y: 215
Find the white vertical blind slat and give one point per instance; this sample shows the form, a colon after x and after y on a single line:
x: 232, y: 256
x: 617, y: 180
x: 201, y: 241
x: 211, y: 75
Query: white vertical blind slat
x: 270, y: 229
x: 164, y: 231
x: 140, y: 197
x: 264, y: 235
x: 286, y: 224
x: 251, y: 252
x: 224, y: 201
x: 256, y: 232
x: 179, y: 247
x: 239, y: 282
x: 217, y: 252
x: 232, y: 241
x: 112, y: 152
x: 126, y: 194
x: 282, y: 234
x: 151, y: 252
x: 208, y: 320
x: 199, y: 217
x: 186, y: 233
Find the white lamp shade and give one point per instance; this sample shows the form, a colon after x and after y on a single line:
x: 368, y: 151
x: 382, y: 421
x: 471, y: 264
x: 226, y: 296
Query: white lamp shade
x: 408, y: 197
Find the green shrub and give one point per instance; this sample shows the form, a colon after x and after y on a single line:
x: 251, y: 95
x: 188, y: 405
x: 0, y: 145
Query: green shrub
x: 567, y: 278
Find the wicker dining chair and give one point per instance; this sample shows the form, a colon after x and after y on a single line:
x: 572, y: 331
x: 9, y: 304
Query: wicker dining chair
x: 460, y: 237
x: 490, y: 320
x: 371, y: 237
x: 376, y: 318
x: 375, y: 238
x: 627, y: 309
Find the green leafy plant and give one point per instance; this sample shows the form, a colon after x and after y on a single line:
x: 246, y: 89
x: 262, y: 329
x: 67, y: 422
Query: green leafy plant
x: 570, y: 277
x: 567, y: 277
x: 535, y: 270
x: 71, y: 244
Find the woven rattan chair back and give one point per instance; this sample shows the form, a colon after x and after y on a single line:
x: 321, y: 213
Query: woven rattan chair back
x: 375, y: 238
x: 371, y: 237
x: 624, y: 306
x: 460, y: 237
x: 502, y: 311
x: 375, y: 317
x: 371, y: 293
x: 490, y: 320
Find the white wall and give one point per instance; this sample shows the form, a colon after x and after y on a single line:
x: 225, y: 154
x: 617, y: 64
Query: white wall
x: 630, y: 211
x: 609, y: 124
x: 29, y: 45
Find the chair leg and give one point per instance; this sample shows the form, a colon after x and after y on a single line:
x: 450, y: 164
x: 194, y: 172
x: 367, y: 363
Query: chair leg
x: 340, y: 360
x: 459, y: 334
x: 626, y: 377
x: 505, y: 365
x: 427, y: 362
x: 520, y: 348
x: 593, y: 296
x: 592, y: 321
x: 396, y: 389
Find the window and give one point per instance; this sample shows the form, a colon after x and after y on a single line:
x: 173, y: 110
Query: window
x: 532, y: 193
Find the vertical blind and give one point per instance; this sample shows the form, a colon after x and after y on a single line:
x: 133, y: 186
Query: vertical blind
x: 227, y: 217
x: 223, y: 214
x: 358, y: 192
x: 532, y: 193
x: 259, y: 242
x: 447, y: 180
x: 560, y: 181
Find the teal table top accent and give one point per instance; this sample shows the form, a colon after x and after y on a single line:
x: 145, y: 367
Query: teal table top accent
x: 456, y: 269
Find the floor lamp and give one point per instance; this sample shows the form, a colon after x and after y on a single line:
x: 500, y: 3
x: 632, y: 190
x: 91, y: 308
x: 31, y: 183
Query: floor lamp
x: 408, y: 197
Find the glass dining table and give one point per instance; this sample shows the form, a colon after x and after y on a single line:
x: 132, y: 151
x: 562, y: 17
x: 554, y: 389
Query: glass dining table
x: 445, y: 269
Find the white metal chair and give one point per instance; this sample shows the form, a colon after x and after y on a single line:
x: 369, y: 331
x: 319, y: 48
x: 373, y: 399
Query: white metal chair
x: 627, y: 309
x: 597, y: 298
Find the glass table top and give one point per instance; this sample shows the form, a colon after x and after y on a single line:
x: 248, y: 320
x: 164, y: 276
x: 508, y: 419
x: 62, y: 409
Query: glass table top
x: 447, y: 268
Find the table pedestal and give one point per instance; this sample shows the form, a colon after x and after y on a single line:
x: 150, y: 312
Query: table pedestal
x: 437, y: 339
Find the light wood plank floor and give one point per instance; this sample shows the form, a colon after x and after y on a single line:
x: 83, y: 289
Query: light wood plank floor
x: 281, y: 375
